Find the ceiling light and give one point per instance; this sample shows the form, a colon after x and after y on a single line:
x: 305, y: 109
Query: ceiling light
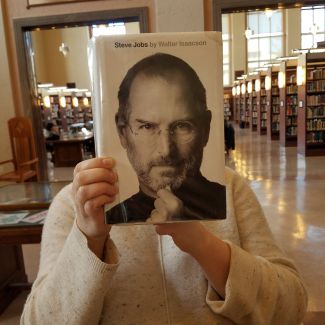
x: 248, y: 33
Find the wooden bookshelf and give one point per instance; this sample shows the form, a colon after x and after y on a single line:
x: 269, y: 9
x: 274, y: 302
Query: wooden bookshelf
x: 228, y: 104
x: 252, y: 104
x: 311, y: 105
x: 259, y: 86
x: 243, y: 109
x: 288, y: 103
x: 77, y: 109
x: 273, y: 104
x: 236, y: 101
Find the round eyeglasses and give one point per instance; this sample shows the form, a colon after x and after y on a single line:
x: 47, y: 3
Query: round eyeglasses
x: 180, y: 131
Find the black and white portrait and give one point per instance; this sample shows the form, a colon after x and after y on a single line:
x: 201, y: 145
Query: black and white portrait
x: 163, y: 123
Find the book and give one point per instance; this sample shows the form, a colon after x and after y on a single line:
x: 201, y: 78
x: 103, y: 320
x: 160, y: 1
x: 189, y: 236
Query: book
x: 158, y: 111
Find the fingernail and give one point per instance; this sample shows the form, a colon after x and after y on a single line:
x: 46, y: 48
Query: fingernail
x: 109, y: 162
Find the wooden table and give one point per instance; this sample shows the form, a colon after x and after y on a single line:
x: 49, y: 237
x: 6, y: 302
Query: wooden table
x: 68, y: 151
x: 30, y: 196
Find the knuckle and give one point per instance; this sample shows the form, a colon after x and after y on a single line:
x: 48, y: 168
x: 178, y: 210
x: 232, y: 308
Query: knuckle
x: 81, y: 194
x: 90, y: 206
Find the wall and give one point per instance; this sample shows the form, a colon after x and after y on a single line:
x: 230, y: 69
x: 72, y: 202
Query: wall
x: 6, y: 103
x: 76, y: 62
x: 179, y: 16
x: 293, y: 28
x: 18, y: 9
x: 49, y: 62
x: 238, y: 26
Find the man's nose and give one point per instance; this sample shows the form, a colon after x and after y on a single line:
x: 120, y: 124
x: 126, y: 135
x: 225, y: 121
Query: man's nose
x: 164, y: 143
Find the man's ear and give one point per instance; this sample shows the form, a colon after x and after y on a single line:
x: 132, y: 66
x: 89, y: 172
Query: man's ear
x: 206, y: 127
x: 120, y: 127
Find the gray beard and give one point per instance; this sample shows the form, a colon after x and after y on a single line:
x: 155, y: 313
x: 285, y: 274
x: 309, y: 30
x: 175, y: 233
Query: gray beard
x: 185, y: 168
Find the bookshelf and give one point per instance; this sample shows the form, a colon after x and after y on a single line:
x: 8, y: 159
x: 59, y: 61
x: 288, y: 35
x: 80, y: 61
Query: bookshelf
x: 259, y: 86
x: 228, y: 104
x: 65, y: 109
x: 252, y: 104
x: 272, y: 103
x: 243, y: 109
x: 287, y: 79
x: 311, y: 104
x: 236, y: 102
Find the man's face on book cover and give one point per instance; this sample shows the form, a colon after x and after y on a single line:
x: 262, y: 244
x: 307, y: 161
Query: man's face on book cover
x: 164, y: 137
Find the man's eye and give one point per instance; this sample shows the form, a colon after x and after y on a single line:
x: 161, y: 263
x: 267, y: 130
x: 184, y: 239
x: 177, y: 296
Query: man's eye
x: 184, y: 127
x: 147, y: 126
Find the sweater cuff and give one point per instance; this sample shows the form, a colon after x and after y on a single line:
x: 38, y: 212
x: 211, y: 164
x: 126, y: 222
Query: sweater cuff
x: 112, y: 256
x: 241, y: 285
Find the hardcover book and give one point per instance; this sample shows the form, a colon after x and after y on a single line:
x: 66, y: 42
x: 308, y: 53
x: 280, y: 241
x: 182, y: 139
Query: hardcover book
x: 158, y: 111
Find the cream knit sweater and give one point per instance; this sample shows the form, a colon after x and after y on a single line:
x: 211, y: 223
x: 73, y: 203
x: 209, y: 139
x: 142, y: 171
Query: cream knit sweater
x: 154, y: 282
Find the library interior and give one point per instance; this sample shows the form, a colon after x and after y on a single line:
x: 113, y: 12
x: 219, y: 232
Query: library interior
x: 273, y: 106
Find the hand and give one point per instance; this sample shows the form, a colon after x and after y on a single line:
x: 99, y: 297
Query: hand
x: 210, y: 252
x: 94, y: 186
x: 168, y: 207
x: 190, y: 237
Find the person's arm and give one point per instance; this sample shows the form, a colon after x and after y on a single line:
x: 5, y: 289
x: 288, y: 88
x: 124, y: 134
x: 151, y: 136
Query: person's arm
x: 251, y: 284
x: 77, y: 261
x: 263, y: 285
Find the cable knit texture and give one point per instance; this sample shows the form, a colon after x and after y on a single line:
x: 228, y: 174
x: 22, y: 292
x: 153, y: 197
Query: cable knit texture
x: 146, y: 279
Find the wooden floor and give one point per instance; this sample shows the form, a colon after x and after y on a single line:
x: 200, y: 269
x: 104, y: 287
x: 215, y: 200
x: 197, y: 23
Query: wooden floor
x: 291, y: 190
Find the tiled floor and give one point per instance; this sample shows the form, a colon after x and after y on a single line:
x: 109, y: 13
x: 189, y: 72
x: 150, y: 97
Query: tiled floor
x: 291, y: 190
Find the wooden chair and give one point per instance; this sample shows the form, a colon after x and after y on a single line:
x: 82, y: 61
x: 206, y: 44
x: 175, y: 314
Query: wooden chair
x: 23, y: 150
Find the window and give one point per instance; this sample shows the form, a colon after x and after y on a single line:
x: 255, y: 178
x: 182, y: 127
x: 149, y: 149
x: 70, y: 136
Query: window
x: 312, y: 26
x: 266, y: 40
x: 227, y: 80
x: 115, y: 28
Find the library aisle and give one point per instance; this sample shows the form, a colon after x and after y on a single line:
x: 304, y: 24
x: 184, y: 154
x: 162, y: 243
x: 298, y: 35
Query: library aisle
x: 291, y: 190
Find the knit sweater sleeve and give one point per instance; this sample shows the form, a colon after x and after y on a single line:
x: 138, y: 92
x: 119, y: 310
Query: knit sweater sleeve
x: 263, y: 285
x: 71, y: 282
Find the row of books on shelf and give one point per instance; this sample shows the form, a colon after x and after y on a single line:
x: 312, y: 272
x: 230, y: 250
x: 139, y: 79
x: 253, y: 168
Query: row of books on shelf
x: 292, y: 79
x: 292, y: 110
x: 275, y: 127
x: 316, y: 100
x: 275, y: 109
x: 276, y: 100
x: 318, y: 73
x: 291, y: 120
x: 315, y: 137
x: 315, y: 112
x: 315, y: 125
x: 276, y: 118
x: 275, y: 91
x: 292, y: 100
x: 292, y: 89
x: 315, y: 86
x: 291, y: 130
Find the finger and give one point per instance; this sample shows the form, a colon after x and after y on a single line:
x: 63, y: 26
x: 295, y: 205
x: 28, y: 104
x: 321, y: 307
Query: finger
x: 166, y: 195
x: 99, y: 162
x: 92, y: 206
x: 159, y: 204
x: 157, y: 217
x: 94, y: 175
x: 91, y: 191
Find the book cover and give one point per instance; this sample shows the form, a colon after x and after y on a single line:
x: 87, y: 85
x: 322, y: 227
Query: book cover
x: 158, y: 111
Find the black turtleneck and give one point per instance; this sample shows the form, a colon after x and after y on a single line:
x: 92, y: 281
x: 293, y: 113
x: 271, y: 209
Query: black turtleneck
x: 202, y: 199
